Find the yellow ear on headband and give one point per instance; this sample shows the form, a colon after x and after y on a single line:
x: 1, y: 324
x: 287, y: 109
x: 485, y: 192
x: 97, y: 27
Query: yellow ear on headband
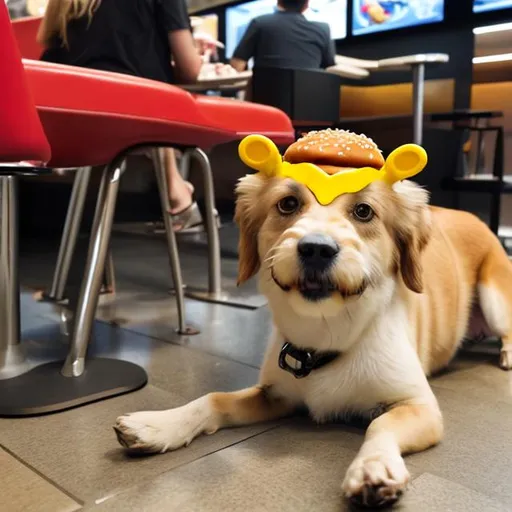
x: 261, y: 154
x: 404, y: 162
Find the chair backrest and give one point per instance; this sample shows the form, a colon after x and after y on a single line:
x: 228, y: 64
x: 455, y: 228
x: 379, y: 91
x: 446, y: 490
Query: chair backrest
x: 25, y: 32
x: 21, y: 135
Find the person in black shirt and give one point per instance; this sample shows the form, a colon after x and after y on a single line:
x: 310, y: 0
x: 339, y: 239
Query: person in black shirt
x: 285, y: 39
x: 146, y: 38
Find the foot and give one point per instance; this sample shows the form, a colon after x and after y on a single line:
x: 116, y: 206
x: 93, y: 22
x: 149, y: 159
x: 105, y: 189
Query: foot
x: 181, y: 197
x: 376, y: 481
x: 506, y: 357
x: 161, y: 431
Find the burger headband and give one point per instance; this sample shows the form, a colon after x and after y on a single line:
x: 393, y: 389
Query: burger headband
x: 261, y: 154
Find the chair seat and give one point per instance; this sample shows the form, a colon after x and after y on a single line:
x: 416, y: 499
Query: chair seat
x: 246, y: 118
x: 91, y: 116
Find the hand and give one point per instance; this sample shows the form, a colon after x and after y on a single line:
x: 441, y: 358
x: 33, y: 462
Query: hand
x: 206, y: 44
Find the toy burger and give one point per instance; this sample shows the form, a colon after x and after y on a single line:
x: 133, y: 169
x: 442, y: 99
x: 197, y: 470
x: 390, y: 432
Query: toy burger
x: 332, y: 162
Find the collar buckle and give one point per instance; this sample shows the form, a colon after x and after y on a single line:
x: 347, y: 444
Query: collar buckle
x: 305, y: 358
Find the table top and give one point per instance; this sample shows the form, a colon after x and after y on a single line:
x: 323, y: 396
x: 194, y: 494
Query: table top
x: 237, y: 82
x: 346, y: 67
x: 409, y: 60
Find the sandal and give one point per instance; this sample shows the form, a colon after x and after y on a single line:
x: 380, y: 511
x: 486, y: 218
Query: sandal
x: 188, y: 220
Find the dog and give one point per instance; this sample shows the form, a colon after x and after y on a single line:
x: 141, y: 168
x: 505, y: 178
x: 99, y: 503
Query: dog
x: 370, y: 295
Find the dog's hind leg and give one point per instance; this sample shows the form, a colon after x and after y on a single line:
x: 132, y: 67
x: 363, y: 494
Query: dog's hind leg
x: 495, y: 297
x: 161, y: 431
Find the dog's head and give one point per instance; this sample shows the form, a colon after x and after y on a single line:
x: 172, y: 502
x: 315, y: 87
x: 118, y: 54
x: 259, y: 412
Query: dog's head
x: 321, y: 257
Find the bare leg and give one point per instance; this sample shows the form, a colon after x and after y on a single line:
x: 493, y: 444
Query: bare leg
x: 160, y: 431
x: 378, y: 475
x: 180, y: 191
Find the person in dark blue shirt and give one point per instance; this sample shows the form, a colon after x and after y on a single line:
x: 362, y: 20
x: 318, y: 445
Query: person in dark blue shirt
x: 286, y: 39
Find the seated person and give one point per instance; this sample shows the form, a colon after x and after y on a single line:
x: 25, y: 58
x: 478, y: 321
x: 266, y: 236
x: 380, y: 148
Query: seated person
x: 146, y: 38
x: 286, y: 39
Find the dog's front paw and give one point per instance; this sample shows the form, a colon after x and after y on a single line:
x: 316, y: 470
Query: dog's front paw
x: 161, y: 431
x: 376, y: 481
x: 150, y: 432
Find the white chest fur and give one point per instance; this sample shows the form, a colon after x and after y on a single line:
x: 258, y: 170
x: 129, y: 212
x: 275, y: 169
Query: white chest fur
x: 378, y: 364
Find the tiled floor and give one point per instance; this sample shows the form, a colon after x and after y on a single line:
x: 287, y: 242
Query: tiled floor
x: 71, y: 460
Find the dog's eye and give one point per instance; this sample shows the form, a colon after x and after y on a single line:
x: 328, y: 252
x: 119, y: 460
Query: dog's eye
x: 363, y: 212
x: 288, y: 205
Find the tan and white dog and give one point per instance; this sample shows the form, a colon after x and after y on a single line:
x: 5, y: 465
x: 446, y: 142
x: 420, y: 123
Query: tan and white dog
x: 373, y: 293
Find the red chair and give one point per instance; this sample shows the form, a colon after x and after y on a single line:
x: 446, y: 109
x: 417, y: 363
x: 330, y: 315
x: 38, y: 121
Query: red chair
x: 24, y: 150
x: 90, y: 118
x: 25, y: 32
x: 247, y: 118
x: 97, y: 118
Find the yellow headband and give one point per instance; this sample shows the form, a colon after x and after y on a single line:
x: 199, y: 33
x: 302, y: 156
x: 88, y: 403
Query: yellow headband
x: 261, y: 154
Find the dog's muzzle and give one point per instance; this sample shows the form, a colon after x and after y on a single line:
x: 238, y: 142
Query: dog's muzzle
x: 317, y: 252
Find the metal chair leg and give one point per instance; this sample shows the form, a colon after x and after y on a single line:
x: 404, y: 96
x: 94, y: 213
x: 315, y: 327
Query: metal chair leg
x: 215, y: 293
x: 28, y: 390
x: 93, y: 275
x: 172, y: 246
x: 70, y: 233
x: 12, y: 359
x: 109, y: 277
x: 212, y: 231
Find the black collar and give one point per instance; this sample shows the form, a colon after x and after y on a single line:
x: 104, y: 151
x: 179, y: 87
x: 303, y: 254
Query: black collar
x: 309, y: 359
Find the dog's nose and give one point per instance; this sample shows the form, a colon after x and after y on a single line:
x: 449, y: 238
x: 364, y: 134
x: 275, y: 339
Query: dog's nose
x: 317, y: 251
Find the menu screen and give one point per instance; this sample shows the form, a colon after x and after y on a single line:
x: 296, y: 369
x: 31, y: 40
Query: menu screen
x: 490, y: 5
x: 371, y: 16
x: 238, y: 17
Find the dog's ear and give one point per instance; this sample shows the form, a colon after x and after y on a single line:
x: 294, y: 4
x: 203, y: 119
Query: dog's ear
x: 412, y: 232
x: 248, y: 220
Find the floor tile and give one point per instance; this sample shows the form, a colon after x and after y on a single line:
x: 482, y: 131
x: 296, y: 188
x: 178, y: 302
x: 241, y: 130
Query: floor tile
x: 484, y: 381
x: 233, y: 333
x: 180, y: 369
x: 476, y: 451
x: 23, y: 490
x: 143, y: 303
x: 290, y: 468
x: 78, y: 450
x: 429, y: 493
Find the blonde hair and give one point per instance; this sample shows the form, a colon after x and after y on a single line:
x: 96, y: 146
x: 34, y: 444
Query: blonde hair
x: 57, y: 16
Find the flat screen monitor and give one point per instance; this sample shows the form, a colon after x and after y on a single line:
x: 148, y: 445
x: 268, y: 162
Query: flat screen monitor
x: 491, y: 5
x: 370, y: 16
x: 238, y: 17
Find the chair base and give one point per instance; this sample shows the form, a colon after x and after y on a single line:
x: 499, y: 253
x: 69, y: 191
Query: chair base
x: 45, y: 390
x: 46, y: 297
x: 239, y: 299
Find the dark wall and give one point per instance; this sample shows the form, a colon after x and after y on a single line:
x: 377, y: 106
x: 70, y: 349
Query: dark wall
x: 457, y: 42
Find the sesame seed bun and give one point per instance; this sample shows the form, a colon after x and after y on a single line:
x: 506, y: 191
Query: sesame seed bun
x: 335, y: 150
